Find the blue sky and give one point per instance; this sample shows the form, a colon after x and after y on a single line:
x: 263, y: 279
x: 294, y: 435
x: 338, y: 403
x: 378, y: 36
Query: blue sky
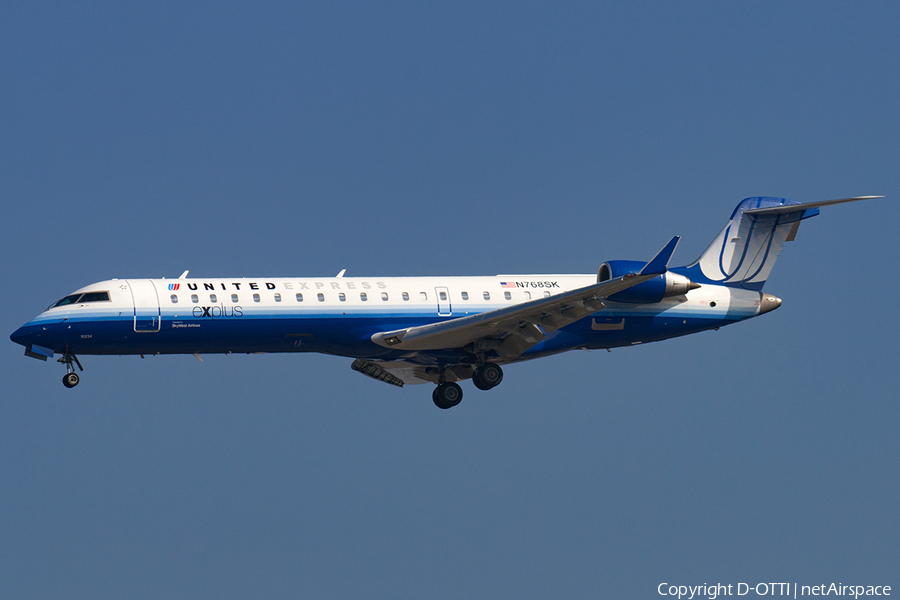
x: 232, y: 139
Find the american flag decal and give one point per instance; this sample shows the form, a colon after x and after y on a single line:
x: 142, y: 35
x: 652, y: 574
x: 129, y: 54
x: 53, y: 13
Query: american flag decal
x: 174, y: 286
x: 508, y: 284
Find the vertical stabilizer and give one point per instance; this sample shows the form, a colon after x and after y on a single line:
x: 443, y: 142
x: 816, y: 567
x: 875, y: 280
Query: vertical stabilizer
x: 743, y: 254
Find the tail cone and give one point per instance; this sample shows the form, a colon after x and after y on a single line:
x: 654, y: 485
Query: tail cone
x: 768, y: 302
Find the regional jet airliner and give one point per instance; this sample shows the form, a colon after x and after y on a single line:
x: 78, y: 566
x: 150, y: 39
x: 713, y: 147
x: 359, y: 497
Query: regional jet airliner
x: 438, y: 330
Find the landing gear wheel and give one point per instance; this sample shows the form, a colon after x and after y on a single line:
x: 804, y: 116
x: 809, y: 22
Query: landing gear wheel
x: 479, y: 383
x: 70, y: 380
x: 447, y: 395
x: 487, y: 376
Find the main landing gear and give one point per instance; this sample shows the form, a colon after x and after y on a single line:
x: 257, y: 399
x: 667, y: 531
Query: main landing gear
x: 70, y: 379
x: 487, y: 376
x: 449, y: 394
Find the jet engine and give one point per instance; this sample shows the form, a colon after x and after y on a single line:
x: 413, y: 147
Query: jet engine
x: 649, y: 292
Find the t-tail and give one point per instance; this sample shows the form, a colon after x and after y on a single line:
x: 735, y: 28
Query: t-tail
x: 745, y: 251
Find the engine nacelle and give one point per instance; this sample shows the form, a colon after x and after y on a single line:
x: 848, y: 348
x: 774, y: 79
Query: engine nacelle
x: 649, y: 292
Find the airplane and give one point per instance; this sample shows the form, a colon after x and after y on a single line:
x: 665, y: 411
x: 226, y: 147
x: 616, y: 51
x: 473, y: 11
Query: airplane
x: 439, y: 330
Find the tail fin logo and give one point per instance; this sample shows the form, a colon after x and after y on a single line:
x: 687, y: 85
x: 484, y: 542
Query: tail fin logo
x: 743, y: 254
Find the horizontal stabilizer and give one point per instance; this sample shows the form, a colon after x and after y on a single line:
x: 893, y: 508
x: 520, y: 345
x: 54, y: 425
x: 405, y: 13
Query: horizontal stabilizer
x: 789, y: 208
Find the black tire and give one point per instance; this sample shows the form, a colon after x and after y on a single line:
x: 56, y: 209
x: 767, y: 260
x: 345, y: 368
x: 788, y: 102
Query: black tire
x: 481, y: 385
x: 488, y: 376
x: 447, y: 395
x: 70, y: 380
x: 438, y: 401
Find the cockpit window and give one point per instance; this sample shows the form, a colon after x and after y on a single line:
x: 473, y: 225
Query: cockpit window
x: 94, y: 297
x: 67, y: 300
x: 82, y: 298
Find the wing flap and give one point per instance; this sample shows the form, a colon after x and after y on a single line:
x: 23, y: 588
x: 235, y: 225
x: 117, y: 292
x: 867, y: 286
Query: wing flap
x: 403, y: 372
x: 376, y: 371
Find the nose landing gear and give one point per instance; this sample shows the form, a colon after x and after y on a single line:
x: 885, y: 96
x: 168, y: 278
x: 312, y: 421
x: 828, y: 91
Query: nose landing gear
x: 70, y: 379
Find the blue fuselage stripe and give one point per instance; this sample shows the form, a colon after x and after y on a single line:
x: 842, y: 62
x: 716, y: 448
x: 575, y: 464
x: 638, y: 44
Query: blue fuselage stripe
x: 337, y: 333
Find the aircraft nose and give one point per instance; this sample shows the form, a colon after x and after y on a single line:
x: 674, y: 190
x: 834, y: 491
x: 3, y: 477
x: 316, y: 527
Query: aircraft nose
x: 21, y: 336
x: 768, y: 302
x: 30, y: 333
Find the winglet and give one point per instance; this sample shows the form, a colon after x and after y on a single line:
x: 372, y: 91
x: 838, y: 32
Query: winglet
x: 658, y: 264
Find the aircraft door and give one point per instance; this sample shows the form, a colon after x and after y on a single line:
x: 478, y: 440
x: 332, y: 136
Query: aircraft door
x: 146, y: 305
x: 443, y: 301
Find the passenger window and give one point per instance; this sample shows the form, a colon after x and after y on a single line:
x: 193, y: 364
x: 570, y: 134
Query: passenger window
x: 465, y: 295
x: 527, y: 295
x: 174, y: 299
x: 546, y: 294
x: 256, y: 297
x: 321, y: 297
x: 212, y: 298
x: 363, y: 296
x: 384, y: 296
x: 507, y: 295
x: 423, y: 296
x: 487, y: 295
x: 444, y: 296
x: 277, y: 297
x: 299, y: 297
x: 342, y: 297
x: 405, y: 296
x: 234, y: 298
x: 194, y: 298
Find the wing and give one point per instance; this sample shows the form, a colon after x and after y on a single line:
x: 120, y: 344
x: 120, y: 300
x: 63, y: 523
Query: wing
x: 512, y: 330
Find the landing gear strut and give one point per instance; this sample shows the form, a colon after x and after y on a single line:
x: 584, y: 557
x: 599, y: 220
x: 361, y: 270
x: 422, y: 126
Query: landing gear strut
x: 487, y: 376
x: 447, y: 395
x: 70, y: 379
